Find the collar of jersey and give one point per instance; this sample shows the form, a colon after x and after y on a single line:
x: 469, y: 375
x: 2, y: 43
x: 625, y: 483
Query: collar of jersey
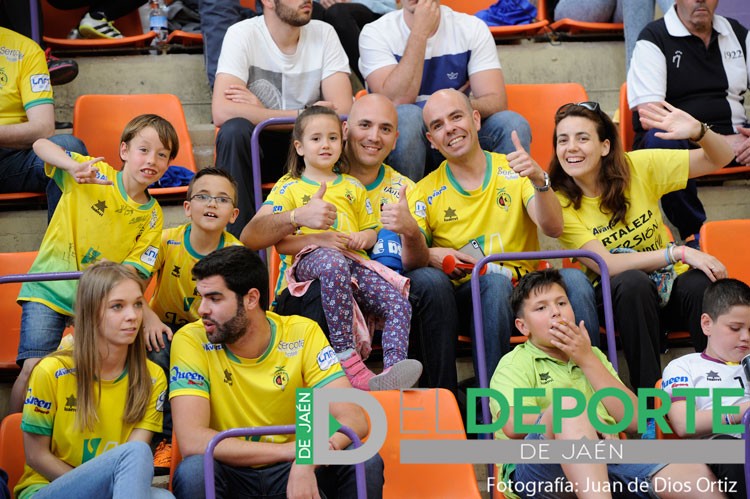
x: 124, y: 194
x: 485, y: 182
x: 269, y: 349
x: 676, y: 28
x: 708, y: 357
x: 190, y: 248
x: 376, y: 183
x: 306, y: 180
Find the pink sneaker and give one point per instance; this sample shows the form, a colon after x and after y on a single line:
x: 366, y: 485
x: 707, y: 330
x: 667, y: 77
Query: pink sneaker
x: 399, y: 376
x: 357, y: 372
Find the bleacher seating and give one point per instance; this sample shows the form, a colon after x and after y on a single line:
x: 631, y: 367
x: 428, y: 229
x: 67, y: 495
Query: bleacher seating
x: 727, y: 240
x: 10, y: 311
x: 12, y: 458
x: 101, y: 132
x: 502, y: 32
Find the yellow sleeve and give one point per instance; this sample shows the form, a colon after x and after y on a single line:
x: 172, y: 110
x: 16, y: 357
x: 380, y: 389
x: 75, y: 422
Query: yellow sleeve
x: 418, y: 207
x: 189, y: 372
x: 280, y: 198
x: 146, y: 249
x: 153, y: 419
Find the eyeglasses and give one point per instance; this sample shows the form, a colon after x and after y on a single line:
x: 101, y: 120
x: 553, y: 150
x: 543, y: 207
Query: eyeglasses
x: 590, y: 105
x: 205, y: 199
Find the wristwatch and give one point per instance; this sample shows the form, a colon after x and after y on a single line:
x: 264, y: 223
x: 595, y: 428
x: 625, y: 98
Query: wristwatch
x: 546, y: 185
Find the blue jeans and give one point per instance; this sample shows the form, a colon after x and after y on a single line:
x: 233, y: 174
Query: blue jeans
x: 41, y: 331
x: 683, y: 208
x: 497, y: 317
x: 124, y: 472
x: 544, y: 474
x: 271, y: 481
x: 636, y: 14
x: 21, y: 170
x: 414, y: 157
x: 216, y: 17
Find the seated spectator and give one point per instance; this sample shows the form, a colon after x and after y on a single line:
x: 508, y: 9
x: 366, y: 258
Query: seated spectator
x: 610, y: 205
x: 592, y: 11
x: 245, y: 348
x: 682, y: 59
x: 409, y: 54
x: 117, y: 221
x: 210, y: 206
x: 348, y: 18
x: 482, y: 203
x: 27, y: 113
x: 726, y: 324
x: 560, y: 349
x: 272, y: 66
x: 334, y: 250
x: 90, y: 413
x: 98, y: 21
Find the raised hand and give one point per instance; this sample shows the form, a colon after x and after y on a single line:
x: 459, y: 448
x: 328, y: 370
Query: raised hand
x: 523, y: 164
x: 317, y: 213
x: 676, y: 123
x: 88, y: 173
x: 396, y: 217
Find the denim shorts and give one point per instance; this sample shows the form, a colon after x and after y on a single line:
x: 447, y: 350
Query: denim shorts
x: 41, y: 331
x: 627, y: 480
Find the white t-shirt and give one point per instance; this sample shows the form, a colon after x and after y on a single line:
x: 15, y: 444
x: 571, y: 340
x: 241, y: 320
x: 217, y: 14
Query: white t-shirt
x: 462, y: 46
x: 282, y: 81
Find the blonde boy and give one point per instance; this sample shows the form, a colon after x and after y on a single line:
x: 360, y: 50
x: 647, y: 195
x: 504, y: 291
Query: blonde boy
x: 114, y: 219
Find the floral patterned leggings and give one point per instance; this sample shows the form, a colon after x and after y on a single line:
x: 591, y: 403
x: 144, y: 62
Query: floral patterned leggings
x: 373, y: 294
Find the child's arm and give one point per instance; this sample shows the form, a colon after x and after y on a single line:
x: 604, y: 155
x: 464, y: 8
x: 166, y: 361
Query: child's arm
x: 154, y: 329
x: 574, y: 341
x: 291, y: 245
x: 40, y: 457
x: 83, y: 173
x: 703, y: 419
x: 362, y: 240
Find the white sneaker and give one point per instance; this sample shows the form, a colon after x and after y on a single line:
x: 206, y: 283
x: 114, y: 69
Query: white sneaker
x: 97, y: 28
x: 399, y: 376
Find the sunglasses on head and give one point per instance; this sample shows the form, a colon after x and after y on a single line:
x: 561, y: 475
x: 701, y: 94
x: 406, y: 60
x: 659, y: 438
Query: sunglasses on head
x: 590, y: 105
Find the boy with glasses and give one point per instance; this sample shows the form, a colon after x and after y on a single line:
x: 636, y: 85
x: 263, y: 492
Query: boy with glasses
x: 210, y: 206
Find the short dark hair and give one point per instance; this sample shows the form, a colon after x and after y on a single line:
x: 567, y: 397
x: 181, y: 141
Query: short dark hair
x: 530, y: 283
x: 216, y: 172
x: 722, y: 295
x: 241, y: 268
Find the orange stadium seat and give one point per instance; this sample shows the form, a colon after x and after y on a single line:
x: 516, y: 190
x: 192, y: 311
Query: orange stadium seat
x: 727, y: 240
x: 423, y: 480
x: 101, y: 132
x: 10, y: 311
x: 12, y: 458
x: 573, y: 27
x: 538, y: 104
x: 58, y: 24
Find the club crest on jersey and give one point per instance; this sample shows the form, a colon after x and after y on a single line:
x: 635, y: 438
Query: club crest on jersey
x: 503, y: 199
x: 280, y: 378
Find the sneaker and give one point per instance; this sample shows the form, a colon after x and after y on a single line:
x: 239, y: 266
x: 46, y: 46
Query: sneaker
x: 97, y: 28
x: 650, y: 433
x: 357, y: 372
x: 61, y: 71
x: 162, y: 458
x: 399, y: 376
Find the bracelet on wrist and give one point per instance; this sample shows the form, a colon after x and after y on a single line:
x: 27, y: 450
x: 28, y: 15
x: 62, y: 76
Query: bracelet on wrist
x: 292, y: 220
x: 705, y: 127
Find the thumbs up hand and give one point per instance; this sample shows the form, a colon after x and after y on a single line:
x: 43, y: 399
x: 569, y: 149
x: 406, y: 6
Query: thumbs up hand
x: 317, y: 213
x: 523, y: 164
x: 396, y: 216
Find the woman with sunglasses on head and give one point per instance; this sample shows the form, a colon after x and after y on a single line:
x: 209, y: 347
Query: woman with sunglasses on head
x: 610, y: 202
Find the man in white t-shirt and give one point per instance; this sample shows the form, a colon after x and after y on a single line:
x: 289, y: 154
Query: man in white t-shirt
x: 272, y: 66
x: 409, y: 54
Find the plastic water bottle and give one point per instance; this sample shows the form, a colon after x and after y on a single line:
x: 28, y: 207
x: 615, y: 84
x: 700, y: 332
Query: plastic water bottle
x: 157, y: 18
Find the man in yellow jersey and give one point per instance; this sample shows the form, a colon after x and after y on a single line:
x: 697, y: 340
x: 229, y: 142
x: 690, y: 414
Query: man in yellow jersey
x: 239, y: 366
x: 481, y: 203
x: 370, y: 132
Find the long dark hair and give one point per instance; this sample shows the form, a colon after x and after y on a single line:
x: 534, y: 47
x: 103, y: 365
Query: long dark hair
x: 614, y: 173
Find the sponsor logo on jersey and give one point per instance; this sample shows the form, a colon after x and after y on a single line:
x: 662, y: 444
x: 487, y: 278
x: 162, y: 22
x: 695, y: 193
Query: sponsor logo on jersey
x: 368, y: 206
x: 99, y: 207
x: 327, y: 358
x: 11, y: 55
x: 277, y: 208
x: 210, y: 347
x: 503, y: 199
x: 191, y: 377
x: 160, y: 401
x: 435, y: 194
x: 545, y: 378
x: 290, y: 348
x: 38, y: 403
x: 176, y: 271
x: 149, y: 255
x: 420, y: 209
x: 450, y: 215
x: 62, y: 372
x: 712, y: 376
x: 675, y: 379
x: 71, y: 403
x: 40, y: 83
x: 172, y: 242
x: 228, y: 377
